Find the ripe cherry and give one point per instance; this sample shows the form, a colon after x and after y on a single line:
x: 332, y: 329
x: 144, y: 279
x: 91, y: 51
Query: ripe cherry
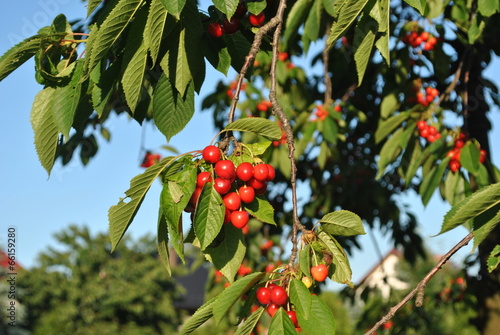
x: 482, y: 156
x: 256, y: 184
x: 271, y: 173
x: 247, y: 194
x: 260, y: 172
x: 231, y: 26
x: 293, y: 317
x: 239, y: 219
x: 278, y: 295
x: 421, y: 124
x: 227, y: 216
x: 319, y: 272
x: 203, y: 178
x: 211, y: 154
x: 195, y: 196
x: 272, y: 309
x: 454, y: 166
x: 256, y: 20
x: 215, y: 29
x: 241, y: 10
x: 244, y: 171
x: 263, y: 295
x: 232, y: 201
x: 225, y: 169
x: 221, y: 185
x: 262, y: 190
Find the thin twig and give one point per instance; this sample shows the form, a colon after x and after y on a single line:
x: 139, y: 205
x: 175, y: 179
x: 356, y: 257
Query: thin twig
x: 278, y: 111
x: 421, y: 285
x: 326, y: 74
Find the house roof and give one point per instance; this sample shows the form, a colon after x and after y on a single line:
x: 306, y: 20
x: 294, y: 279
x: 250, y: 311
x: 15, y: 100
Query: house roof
x: 392, y: 252
x: 4, y: 262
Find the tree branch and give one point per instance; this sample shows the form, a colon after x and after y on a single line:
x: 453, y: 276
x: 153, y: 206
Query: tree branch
x: 419, y: 289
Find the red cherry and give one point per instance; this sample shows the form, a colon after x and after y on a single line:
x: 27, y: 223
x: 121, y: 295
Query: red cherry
x: 256, y: 20
x: 424, y: 132
x: 271, y: 173
x: 263, y: 295
x: 241, y: 10
x: 459, y: 144
x: 239, y: 219
x: 293, y: 317
x: 421, y: 124
x: 227, y: 216
x: 319, y: 272
x: 278, y: 295
x: 231, y: 26
x: 203, y: 178
x: 262, y: 190
x: 225, y: 169
x: 482, y: 155
x: 221, y: 185
x: 337, y: 108
x: 260, y: 172
x: 256, y: 184
x: 424, y: 36
x: 454, y: 166
x: 272, y: 309
x: 247, y: 194
x: 211, y: 154
x: 244, y: 171
x: 232, y: 201
x: 195, y: 196
x: 215, y: 29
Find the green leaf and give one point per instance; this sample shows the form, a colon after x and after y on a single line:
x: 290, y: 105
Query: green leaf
x: 232, y: 293
x: 471, y: 207
x: 330, y: 130
x: 487, y: 7
x: 418, y: 5
x: 228, y: 254
x: 258, y: 125
x: 494, y: 259
x: 469, y: 157
x: 342, y: 272
x: 44, y: 128
x: 174, y: 7
x: 174, y: 197
x: 249, y: 324
x: 66, y: 100
x: 92, y: 5
x: 199, y: 317
x: 320, y: 321
x: 389, y: 104
x: 171, y: 111
x: 262, y: 210
x: 305, y: 260
x: 281, y: 324
x: 343, y: 223
x: 300, y: 297
x: 112, y: 28
x: 295, y: 18
x: 312, y: 24
x: 415, y: 160
x: 133, y: 77
x: 364, y: 38
x: 209, y: 216
x: 20, y: 53
x: 484, y: 224
x: 217, y: 54
x: 347, y: 15
x: 227, y: 7
x: 162, y: 238
x: 255, y: 7
x: 389, y: 152
x: 238, y: 47
x: 431, y: 180
x: 259, y: 148
x: 154, y: 30
x: 387, y: 126
x: 121, y: 215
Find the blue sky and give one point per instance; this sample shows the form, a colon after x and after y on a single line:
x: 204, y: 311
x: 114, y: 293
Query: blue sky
x: 39, y: 206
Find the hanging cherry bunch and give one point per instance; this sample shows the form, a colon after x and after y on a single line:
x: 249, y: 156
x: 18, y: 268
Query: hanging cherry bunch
x: 430, y: 133
x: 150, y: 159
x: 238, y: 185
x: 420, y: 39
x: 454, y: 153
x: 241, y: 18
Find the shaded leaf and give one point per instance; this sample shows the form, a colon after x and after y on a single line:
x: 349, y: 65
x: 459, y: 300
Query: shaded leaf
x: 162, y: 244
x: 257, y: 125
x: 281, y: 324
x: 364, y: 38
x: 342, y: 272
x: 494, y: 259
x: 348, y: 13
x: 174, y: 7
x: 209, y: 216
x: 431, y: 180
x: 155, y: 29
x: 249, y: 324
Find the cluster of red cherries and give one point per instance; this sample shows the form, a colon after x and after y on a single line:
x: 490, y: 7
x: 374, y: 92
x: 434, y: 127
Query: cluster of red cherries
x: 422, y: 39
x: 232, y: 25
x: 424, y: 98
x: 237, y: 185
x: 454, y: 153
x: 322, y: 112
x: 273, y: 297
x: 430, y: 133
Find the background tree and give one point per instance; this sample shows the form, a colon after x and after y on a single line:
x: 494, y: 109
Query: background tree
x: 374, y: 124
x: 79, y: 287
